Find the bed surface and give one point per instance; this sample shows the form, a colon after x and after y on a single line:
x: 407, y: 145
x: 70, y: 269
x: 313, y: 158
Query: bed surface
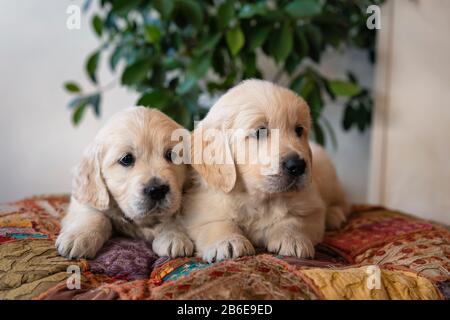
x: 410, y: 255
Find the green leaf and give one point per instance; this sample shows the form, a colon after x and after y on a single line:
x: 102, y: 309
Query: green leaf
x: 249, y: 64
x: 78, y: 114
x: 314, y: 35
x: 91, y: 65
x: 180, y: 113
x: 306, y: 87
x: 292, y: 62
x: 165, y: 8
x: 257, y: 37
x: 315, y: 101
x: 220, y: 55
x: 186, y: 85
x: 351, y: 76
x: 208, y: 44
x: 328, y: 90
x: 253, y: 9
x: 344, y: 88
x: 190, y: 104
x: 170, y: 63
x: 76, y: 102
x: 235, y: 40
x: 192, y: 10
x: 297, y: 82
x: 199, y: 66
x: 94, y: 101
x: 79, y: 105
x: 157, y: 77
x: 155, y: 99
x: 152, y: 34
x: 315, y: 40
x: 196, y: 70
x: 115, y: 57
x: 283, y: 43
x: 72, y: 87
x: 124, y: 6
x: 110, y: 21
x: 301, y: 44
x: 97, y: 25
x: 225, y: 14
x: 303, y: 8
x: 318, y: 134
x: 136, y: 72
x: 275, y: 16
x: 349, y: 115
x: 361, y: 119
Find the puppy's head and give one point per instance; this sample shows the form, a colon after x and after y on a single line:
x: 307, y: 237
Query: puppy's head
x: 277, y: 121
x: 131, y: 161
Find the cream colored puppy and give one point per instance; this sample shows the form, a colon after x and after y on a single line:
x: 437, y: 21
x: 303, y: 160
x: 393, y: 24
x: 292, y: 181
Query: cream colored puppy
x: 236, y: 206
x: 126, y: 182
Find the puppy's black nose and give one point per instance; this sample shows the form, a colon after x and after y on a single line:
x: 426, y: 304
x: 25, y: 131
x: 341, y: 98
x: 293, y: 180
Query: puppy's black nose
x: 156, y: 191
x: 294, y: 165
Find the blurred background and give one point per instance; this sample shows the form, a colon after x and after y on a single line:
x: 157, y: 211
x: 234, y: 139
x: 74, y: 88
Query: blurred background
x: 55, y: 94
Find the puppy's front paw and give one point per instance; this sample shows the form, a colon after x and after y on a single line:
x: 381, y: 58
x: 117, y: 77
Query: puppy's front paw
x: 75, y: 244
x: 173, y: 244
x: 335, y: 218
x: 292, y: 245
x: 230, y: 247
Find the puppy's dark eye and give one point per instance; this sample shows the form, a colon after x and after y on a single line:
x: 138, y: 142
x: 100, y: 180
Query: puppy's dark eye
x: 299, y: 131
x: 260, y: 133
x: 127, y: 160
x: 170, y: 155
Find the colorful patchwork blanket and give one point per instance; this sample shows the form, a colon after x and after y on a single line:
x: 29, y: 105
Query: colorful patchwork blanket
x: 379, y: 254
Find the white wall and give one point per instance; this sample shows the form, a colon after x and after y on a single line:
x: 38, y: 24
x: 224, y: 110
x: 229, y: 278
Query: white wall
x: 352, y: 155
x: 411, y: 152
x: 38, y: 53
x: 38, y: 142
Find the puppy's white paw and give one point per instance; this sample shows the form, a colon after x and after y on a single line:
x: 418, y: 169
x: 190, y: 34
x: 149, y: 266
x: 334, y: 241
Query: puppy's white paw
x: 173, y: 244
x: 75, y: 244
x: 335, y: 218
x: 230, y: 247
x: 292, y: 245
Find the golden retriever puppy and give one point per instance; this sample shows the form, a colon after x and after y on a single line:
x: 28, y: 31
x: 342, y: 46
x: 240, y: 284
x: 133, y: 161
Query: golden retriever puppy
x: 281, y: 204
x: 127, y: 182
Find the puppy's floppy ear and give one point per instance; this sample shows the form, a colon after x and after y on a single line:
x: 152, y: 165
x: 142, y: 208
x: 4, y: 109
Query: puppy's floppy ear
x: 88, y: 184
x: 212, y: 158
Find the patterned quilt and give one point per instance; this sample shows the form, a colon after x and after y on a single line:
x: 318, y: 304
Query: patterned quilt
x: 379, y: 254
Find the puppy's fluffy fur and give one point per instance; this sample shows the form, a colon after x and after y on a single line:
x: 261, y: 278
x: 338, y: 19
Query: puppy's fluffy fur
x: 233, y: 207
x: 108, y: 196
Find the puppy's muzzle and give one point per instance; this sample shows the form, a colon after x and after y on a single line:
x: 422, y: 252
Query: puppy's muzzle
x: 293, y: 165
x: 156, y: 190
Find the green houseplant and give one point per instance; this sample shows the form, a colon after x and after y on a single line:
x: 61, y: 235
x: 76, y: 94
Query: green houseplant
x: 175, y: 50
